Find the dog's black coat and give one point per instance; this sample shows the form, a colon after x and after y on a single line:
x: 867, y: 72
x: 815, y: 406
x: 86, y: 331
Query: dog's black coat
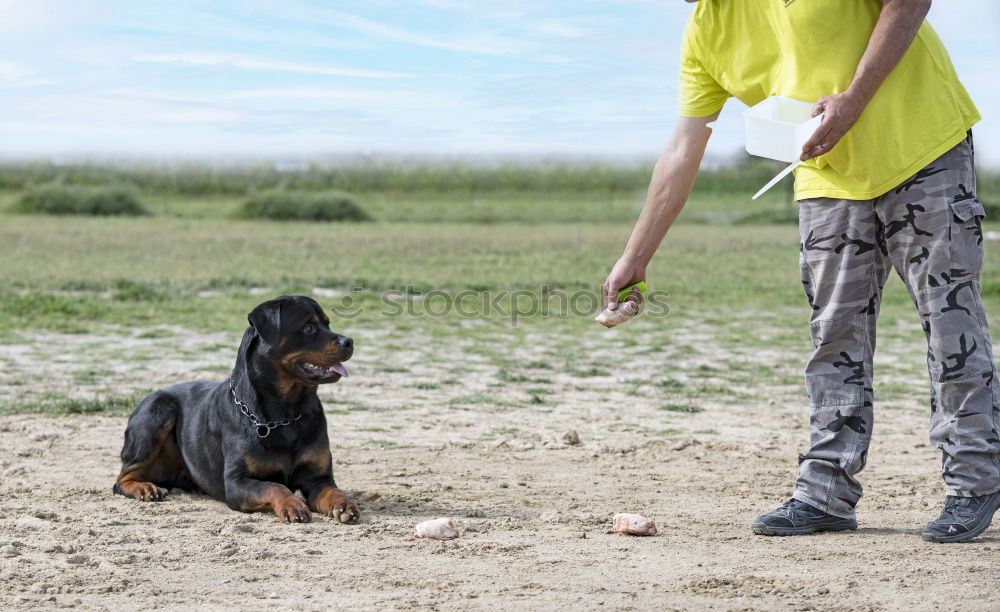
x: 194, y: 436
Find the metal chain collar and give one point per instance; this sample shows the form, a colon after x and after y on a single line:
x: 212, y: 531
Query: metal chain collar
x: 263, y: 429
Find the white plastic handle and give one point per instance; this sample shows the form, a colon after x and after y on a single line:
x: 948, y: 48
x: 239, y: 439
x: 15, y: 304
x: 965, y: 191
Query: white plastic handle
x: 792, y: 166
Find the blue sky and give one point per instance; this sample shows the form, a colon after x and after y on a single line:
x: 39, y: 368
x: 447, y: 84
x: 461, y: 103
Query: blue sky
x: 299, y: 78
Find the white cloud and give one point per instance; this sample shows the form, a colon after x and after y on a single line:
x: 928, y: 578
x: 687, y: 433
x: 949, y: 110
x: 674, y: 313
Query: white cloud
x: 303, y: 99
x: 97, y: 108
x: 249, y: 63
x: 481, y: 44
x: 210, y: 23
x: 14, y: 74
x: 390, y: 98
x: 25, y: 17
x: 13, y: 71
x: 470, y: 37
x: 558, y: 29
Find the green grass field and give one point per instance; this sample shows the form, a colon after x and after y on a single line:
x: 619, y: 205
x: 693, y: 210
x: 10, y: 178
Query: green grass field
x: 69, y: 272
x: 191, y: 267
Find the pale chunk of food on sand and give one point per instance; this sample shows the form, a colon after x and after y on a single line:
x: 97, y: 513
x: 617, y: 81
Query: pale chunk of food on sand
x: 633, y: 524
x: 610, y: 318
x: 437, y: 529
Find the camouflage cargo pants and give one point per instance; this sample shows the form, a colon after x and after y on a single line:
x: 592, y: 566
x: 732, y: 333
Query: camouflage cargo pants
x: 928, y: 229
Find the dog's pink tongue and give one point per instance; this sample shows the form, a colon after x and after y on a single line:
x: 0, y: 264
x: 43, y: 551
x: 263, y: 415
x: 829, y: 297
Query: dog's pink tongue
x: 340, y: 368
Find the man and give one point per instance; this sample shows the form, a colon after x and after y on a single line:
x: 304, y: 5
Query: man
x: 888, y: 183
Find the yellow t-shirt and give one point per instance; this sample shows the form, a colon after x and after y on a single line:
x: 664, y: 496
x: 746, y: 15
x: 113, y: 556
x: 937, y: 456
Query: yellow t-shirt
x: 806, y: 49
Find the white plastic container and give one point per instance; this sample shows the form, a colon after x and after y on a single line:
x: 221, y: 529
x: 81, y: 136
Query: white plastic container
x: 778, y: 127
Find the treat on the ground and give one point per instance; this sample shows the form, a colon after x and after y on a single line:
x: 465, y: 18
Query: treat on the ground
x: 633, y: 524
x: 437, y: 529
x: 610, y: 318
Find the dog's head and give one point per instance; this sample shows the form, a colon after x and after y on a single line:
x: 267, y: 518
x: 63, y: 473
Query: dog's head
x: 295, y: 336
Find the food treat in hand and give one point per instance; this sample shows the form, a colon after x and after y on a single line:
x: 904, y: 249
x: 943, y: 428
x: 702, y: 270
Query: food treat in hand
x: 625, y: 311
x: 610, y: 318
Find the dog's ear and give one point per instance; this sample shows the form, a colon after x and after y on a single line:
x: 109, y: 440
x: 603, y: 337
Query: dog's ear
x: 266, y: 321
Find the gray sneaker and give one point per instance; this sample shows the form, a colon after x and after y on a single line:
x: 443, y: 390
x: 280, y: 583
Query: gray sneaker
x: 799, y: 518
x: 963, y: 518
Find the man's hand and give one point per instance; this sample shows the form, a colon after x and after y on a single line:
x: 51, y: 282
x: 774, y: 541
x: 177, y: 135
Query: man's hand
x: 626, y: 272
x: 842, y: 112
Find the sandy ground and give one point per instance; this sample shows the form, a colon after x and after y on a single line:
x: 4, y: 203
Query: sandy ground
x: 533, y: 510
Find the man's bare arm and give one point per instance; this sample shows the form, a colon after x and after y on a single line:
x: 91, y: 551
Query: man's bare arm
x: 669, y: 188
x: 894, y: 32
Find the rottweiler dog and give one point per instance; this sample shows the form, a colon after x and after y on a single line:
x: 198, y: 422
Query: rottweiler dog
x: 254, y: 439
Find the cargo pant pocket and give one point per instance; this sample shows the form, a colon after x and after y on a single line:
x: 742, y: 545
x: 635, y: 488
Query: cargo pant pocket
x: 966, y: 244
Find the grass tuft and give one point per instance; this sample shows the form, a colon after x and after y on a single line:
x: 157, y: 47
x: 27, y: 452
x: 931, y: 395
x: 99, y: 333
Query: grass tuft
x: 135, y: 291
x: 473, y: 398
x: 685, y: 408
x: 280, y: 205
x: 670, y: 384
x: 117, y: 405
x: 669, y: 432
x: 103, y: 201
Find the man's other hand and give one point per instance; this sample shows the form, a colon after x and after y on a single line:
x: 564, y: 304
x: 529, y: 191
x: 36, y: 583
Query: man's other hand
x: 626, y: 272
x: 841, y: 112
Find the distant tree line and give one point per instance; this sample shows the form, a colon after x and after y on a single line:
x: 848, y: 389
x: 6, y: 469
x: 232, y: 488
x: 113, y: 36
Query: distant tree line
x: 748, y: 174
x: 199, y: 180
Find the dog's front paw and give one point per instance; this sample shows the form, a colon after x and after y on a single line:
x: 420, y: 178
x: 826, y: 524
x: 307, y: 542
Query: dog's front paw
x: 291, y: 509
x: 332, y: 502
x: 346, y: 512
x: 141, y: 491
